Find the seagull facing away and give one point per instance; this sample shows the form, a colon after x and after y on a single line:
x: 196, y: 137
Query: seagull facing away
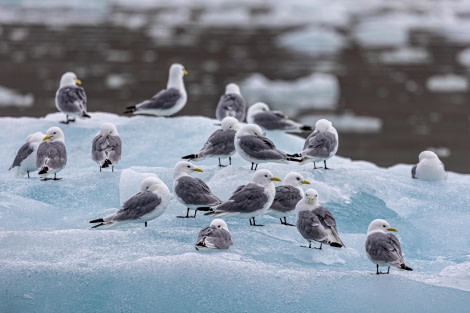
x: 314, y: 222
x: 215, y: 236
x: 220, y: 143
x: 260, y: 114
x: 51, y: 154
x: 168, y: 101
x: 106, y: 146
x: 25, y: 160
x: 231, y: 104
x: 190, y: 191
x: 148, y: 204
x: 321, y: 144
x: 253, y: 146
x: 287, y: 196
x: 251, y: 200
x: 429, y: 167
x: 70, y: 98
x: 383, y: 248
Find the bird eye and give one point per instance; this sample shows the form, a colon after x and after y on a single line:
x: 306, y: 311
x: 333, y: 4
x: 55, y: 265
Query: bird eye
x: 384, y: 226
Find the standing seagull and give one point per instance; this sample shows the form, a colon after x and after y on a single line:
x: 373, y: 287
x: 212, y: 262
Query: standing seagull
x: 287, y: 196
x: 383, y: 248
x: 251, y: 200
x: 106, y: 146
x: 148, y: 204
x: 70, y: 99
x: 25, y: 160
x: 192, y: 192
x: 315, y: 222
x: 429, y: 167
x: 220, y: 144
x: 51, y: 155
x: 321, y: 144
x: 168, y: 101
x: 231, y: 104
x: 253, y: 146
x: 215, y: 236
x: 260, y: 114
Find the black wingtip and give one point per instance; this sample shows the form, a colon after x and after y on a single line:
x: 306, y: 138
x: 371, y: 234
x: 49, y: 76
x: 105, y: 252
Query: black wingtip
x: 85, y: 115
x: 406, y: 268
x: 336, y: 244
x: 130, y: 109
x: 306, y: 128
x: 44, y: 170
x: 98, y: 220
x: 106, y: 163
x: 293, y: 159
x: 189, y: 156
x: 210, y: 212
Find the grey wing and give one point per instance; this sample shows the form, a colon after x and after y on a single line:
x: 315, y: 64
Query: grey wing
x: 272, y: 120
x: 219, y: 143
x: 286, y: 198
x: 260, y: 147
x: 137, y: 206
x: 51, y: 154
x: 325, y: 217
x: 72, y: 99
x: 24, y: 151
x: 194, y: 191
x: 308, y: 226
x: 385, y: 248
x: 231, y: 105
x: 245, y: 199
x: 114, y: 148
x: 413, y: 171
x: 98, y: 147
x: 165, y: 99
x: 320, y: 144
x: 217, y: 237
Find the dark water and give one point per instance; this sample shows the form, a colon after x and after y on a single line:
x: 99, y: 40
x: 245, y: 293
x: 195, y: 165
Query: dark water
x: 412, y: 120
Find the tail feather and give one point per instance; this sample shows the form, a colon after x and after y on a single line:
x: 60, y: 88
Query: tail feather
x: 85, y: 115
x: 130, y: 109
x: 190, y: 156
x: 43, y: 170
x: 293, y: 159
x: 98, y: 220
x: 106, y: 163
x: 404, y: 267
x: 306, y: 128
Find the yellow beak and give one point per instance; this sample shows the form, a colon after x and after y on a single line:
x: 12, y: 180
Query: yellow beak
x: 305, y: 182
x: 78, y: 81
x: 197, y: 169
x: 310, y: 200
x: 392, y: 229
x: 46, y: 138
x: 275, y: 179
x: 185, y: 72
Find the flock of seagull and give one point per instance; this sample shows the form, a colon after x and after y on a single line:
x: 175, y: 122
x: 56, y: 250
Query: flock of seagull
x: 46, y: 153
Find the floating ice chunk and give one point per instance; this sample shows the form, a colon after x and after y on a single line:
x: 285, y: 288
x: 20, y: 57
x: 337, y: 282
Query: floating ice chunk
x: 348, y: 122
x: 9, y: 97
x: 447, y: 83
x: 405, y: 55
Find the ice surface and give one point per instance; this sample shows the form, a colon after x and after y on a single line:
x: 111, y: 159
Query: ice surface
x: 51, y: 261
x: 447, y: 83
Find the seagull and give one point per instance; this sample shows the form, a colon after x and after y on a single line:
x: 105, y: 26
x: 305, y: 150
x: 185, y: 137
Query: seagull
x: 321, y: 144
x: 190, y: 191
x: 25, y: 160
x: 383, y: 248
x: 251, y: 200
x: 51, y: 154
x: 231, y: 104
x: 168, y: 101
x: 287, y: 196
x: 220, y: 143
x: 106, y: 146
x: 215, y: 236
x: 314, y: 222
x: 260, y: 114
x: 70, y: 99
x: 429, y: 167
x: 148, y: 204
x: 253, y: 146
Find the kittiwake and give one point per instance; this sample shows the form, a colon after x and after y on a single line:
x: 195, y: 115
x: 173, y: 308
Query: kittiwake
x: 429, y: 167
x: 215, y: 236
x: 51, y: 154
x: 25, y: 160
x: 231, y: 104
x: 106, y: 146
x: 70, y: 98
x: 260, y: 114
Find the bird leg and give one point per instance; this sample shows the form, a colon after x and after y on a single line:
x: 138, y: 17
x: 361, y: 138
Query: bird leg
x: 254, y: 222
x: 55, y: 178
x: 145, y: 224
x: 285, y: 222
x: 229, y: 160
x: 379, y: 273
x: 314, y: 166
x: 187, y: 215
x: 254, y: 166
x: 326, y: 168
x: 221, y: 165
x: 27, y: 173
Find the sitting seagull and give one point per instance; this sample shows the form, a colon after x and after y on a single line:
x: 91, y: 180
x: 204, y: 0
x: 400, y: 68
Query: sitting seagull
x: 168, y: 101
x: 70, y: 99
x: 315, y: 222
x: 148, y: 204
x: 51, y: 154
x: 192, y: 192
x: 321, y: 144
x: 215, y: 236
x: 251, y: 200
x: 231, y: 104
x: 429, y: 167
x: 287, y: 196
x: 260, y: 114
x: 25, y: 160
x: 253, y: 146
x: 220, y: 144
x: 383, y: 248
x: 106, y: 146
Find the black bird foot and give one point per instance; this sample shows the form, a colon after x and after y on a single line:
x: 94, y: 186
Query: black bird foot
x: 56, y: 178
x: 185, y: 216
x: 284, y: 222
